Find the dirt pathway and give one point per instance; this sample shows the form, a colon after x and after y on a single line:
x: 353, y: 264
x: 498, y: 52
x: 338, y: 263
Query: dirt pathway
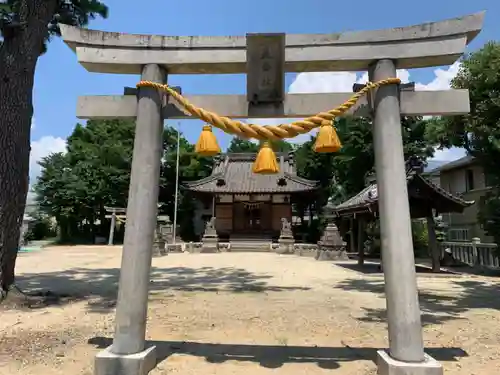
x: 233, y: 313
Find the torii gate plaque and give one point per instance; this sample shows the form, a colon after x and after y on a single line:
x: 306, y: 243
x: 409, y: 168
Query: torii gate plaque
x: 378, y: 52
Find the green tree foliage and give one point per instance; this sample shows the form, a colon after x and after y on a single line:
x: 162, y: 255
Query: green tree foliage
x: 95, y: 172
x: 41, y: 228
x: 489, y: 215
x: 316, y: 167
x: 246, y: 145
x: 191, y: 167
x: 25, y: 27
x: 75, y: 187
x: 479, y: 131
x: 242, y: 145
x: 343, y: 174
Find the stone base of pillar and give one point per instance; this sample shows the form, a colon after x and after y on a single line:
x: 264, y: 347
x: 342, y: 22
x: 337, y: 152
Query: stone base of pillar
x: 108, y: 363
x: 390, y: 366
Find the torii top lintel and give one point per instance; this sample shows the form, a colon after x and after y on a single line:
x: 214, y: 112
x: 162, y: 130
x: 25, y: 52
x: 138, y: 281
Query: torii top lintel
x: 419, y: 46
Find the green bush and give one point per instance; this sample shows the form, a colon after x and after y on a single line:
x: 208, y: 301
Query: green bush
x: 40, y: 229
x: 420, y: 238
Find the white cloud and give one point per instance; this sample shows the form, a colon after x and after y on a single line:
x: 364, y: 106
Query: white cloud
x: 449, y: 154
x: 321, y: 82
x: 33, y: 122
x: 343, y: 81
x: 43, y: 147
x: 402, y: 74
x: 442, y: 79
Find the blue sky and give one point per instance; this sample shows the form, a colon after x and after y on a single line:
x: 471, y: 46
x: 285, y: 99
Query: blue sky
x: 60, y: 79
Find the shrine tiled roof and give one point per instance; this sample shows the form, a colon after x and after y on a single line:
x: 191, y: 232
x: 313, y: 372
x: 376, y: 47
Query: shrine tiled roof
x: 232, y: 173
x: 367, y: 199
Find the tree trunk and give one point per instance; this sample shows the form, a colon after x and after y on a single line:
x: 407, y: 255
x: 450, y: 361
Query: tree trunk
x: 19, y: 52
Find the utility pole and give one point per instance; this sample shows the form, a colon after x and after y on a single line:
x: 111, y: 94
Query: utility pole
x: 176, y: 183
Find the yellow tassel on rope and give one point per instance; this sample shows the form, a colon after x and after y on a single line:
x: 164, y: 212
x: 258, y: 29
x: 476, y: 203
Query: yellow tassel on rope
x: 207, y: 143
x: 327, y: 139
x: 265, y: 163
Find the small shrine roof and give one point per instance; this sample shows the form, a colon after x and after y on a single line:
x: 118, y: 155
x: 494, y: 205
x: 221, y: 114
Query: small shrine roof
x: 418, y: 186
x: 232, y: 173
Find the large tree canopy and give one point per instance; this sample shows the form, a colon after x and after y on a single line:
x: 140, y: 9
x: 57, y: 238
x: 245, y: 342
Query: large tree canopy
x: 75, y: 187
x: 25, y: 27
x: 94, y: 173
x: 479, y: 131
x: 345, y: 172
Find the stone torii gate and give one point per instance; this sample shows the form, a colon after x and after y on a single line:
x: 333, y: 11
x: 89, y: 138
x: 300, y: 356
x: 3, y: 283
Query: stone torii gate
x: 265, y: 58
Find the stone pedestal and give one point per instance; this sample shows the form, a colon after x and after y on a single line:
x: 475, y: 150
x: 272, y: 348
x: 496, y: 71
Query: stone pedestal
x: 390, y: 366
x: 305, y: 250
x: 286, y: 245
x: 210, y: 240
x: 331, y: 246
x: 159, y: 248
x: 194, y: 247
x: 163, y: 235
x: 109, y: 363
x: 286, y: 240
x: 166, y: 230
x: 210, y: 245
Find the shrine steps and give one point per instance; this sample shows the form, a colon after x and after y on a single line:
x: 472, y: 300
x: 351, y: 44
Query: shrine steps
x: 250, y: 243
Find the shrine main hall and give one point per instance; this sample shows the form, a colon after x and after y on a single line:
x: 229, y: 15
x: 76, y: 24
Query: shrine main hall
x: 248, y: 204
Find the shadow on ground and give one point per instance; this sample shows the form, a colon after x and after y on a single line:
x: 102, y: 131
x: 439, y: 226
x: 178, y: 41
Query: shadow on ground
x: 274, y: 356
x: 436, y: 307
x: 373, y: 268
x: 100, y: 286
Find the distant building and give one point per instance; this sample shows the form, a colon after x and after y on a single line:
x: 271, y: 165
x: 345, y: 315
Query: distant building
x: 466, y: 178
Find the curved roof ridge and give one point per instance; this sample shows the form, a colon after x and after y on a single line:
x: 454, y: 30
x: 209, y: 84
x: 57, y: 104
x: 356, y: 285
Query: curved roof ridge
x: 444, y: 192
x: 299, y: 179
x: 204, y: 180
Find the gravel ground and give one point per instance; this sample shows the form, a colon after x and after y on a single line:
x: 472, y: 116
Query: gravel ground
x: 241, y: 313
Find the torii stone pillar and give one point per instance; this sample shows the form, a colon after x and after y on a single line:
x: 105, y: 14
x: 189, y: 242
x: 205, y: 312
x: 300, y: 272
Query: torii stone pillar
x: 128, y: 354
x: 406, y: 348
